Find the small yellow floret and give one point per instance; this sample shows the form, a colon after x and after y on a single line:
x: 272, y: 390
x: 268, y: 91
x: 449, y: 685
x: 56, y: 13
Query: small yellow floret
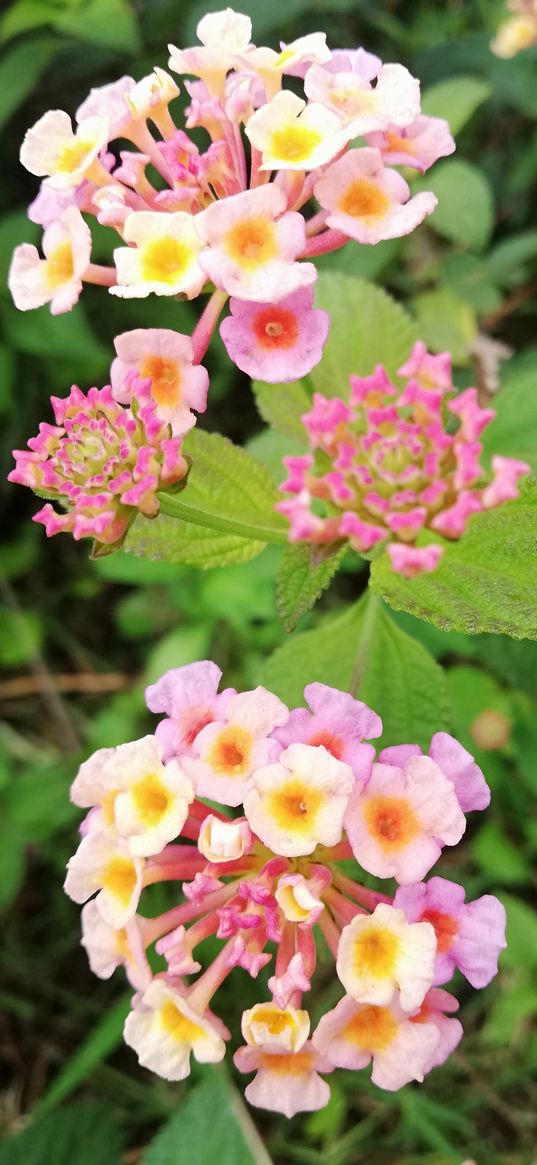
x: 165, y: 260
x: 372, y: 1029
x: 151, y: 799
x: 119, y: 878
x: 295, y: 143
x: 363, y: 199
x: 177, y: 1025
x: 295, y: 806
x: 375, y: 952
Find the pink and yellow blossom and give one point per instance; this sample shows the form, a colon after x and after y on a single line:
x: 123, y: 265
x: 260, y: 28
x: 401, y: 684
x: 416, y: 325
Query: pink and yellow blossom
x: 56, y: 279
x: 276, y: 342
x: 165, y: 359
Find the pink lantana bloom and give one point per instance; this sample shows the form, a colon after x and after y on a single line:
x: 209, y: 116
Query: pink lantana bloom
x: 165, y: 359
x: 469, y: 935
x: 56, y: 279
x: 266, y: 883
x: 456, y: 763
x: 419, y: 145
x: 252, y: 245
x: 395, y: 99
x: 227, y: 752
x: 104, y: 462
x: 392, y: 467
x: 354, y: 1034
x: 368, y: 201
x: 399, y: 821
x: 276, y: 342
x: 189, y: 697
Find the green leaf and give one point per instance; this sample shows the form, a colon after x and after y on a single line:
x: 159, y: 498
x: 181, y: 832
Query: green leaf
x: 396, y: 675
x: 302, y: 578
x: 20, y: 71
x: 506, y: 261
x: 282, y: 405
x: 367, y: 328
x: 227, y: 490
x: 66, y: 338
x: 521, y: 950
x: 465, y: 211
x: 81, y: 1134
x: 485, y: 582
x: 446, y: 323
x: 111, y: 23
x: 456, y: 100
x: 499, y: 858
x: 512, y: 433
x: 25, y: 16
x: 102, y: 1040
x: 211, y: 1125
x: 11, y: 862
x: 164, y: 539
x: 469, y: 278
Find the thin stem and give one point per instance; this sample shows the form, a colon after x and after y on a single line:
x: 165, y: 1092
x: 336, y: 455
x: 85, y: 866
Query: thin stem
x: 330, y: 932
x: 105, y: 276
x: 322, y: 244
x: 368, y: 898
x: 153, y: 928
x: 175, y: 507
x: 202, y: 334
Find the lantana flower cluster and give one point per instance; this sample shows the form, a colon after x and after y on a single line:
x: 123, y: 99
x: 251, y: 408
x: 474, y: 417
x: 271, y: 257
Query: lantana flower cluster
x: 294, y: 794
x: 388, y: 463
x: 278, y: 183
x: 519, y: 31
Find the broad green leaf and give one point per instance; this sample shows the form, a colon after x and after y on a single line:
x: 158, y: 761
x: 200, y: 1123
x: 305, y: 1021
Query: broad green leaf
x: 25, y: 16
x: 521, y: 950
x: 499, y: 858
x: 164, y: 539
x: 111, y: 23
x: 20, y: 71
x: 510, y: 1013
x: 99, y: 1044
x: 361, y: 261
x: 469, y: 278
x: 67, y: 338
x: 212, y: 1125
x: 367, y: 328
x: 456, y: 100
x: 302, y: 578
x: 485, y: 582
x: 506, y: 262
x: 465, y: 211
x: 282, y: 405
x: 227, y: 490
x: 514, y: 430
x: 81, y: 1134
x: 363, y: 649
x: 446, y: 323
x: 11, y: 861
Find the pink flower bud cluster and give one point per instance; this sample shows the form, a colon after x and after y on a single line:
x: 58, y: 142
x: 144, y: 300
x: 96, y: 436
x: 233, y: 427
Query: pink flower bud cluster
x: 300, y: 791
x: 103, y: 462
x: 232, y: 215
x: 389, y: 463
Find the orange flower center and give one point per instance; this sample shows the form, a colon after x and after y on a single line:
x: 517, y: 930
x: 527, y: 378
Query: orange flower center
x: 330, y: 741
x: 372, y: 1029
x: 445, y: 927
x: 230, y: 753
x: 391, y: 821
x: 363, y: 199
x: 276, y: 327
x: 252, y: 242
x: 165, y: 377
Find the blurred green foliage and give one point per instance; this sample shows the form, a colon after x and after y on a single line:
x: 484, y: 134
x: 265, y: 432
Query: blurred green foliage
x: 79, y: 639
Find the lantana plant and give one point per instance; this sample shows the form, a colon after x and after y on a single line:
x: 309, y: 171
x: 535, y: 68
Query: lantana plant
x: 294, y: 794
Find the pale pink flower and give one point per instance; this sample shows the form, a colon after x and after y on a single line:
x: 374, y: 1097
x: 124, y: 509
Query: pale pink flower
x: 108, y: 101
x: 276, y: 342
x: 104, y: 866
x: 433, y: 1011
x: 419, y: 144
x: 108, y: 948
x: 165, y: 359
x: 286, y: 1082
x: 189, y: 696
x: 252, y: 245
x: 294, y: 980
x: 227, y: 752
x: 338, y: 722
x: 354, y: 1034
x: 224, y: 841
x: 299, y: 802
x: 398, y: 822
x: 456, y: 763
x: 56, y: 279
x: 164, y: 1030
x: 274, y: 1028
x: 382, y: 954
x: 469, y: 936
x: 395, y: 99
x: 368, y: 201
x: 300, y: 898
x: 51, y: 149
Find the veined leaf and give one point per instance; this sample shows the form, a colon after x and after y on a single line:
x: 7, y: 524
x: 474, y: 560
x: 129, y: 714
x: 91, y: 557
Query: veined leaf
x: 363, y: 650
x: 165, y: 539
x: 456, y: 100
x: 302, y: 578
x: 465, y: 211
x: 81, y: 1134
x: 512, y: 433
x: 485, y: 582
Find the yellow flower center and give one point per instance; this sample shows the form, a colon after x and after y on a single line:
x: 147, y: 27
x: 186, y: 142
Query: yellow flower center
x: 287, y: 1063
x: 295, y: 806
x: 295, y: 143
x: 119, y: 878
x: 151, y: 799
x: 60, y: 266
x: 375, y: 952
x: 73, y: 156
x: 230, y: 753
x: 252, y: 243
x: 372, y: 1029
x: 177, y: 1025
x: 165, y: 260
x: 363, y: 199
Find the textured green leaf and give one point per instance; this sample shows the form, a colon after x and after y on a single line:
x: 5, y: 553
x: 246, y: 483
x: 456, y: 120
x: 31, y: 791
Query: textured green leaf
x: 82, y: 1134
x: 282, y: 405
x: 165, y: 539
x: 24, y: 16
x: 465, y: 211
x: 485, y: 582
x: 446, y: 323
x: 456, y: 100
x: 521, y: 950
x: 227, y: 490
x: 111, y: 23
x: 468, y: 277
x: 506, y: 261
x: 302, y: 578
x: 396, y: 675
x: 211, y: 1125
x: 20, y: 71
x: 513, y: 432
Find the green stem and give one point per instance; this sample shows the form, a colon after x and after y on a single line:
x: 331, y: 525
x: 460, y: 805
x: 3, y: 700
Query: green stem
x: 368, y: 626
x: 174, y: 506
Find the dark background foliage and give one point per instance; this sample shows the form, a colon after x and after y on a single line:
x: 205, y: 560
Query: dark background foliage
x: 80, y: 639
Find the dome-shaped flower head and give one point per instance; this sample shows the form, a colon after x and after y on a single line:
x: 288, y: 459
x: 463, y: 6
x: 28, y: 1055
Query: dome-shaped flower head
x: 104, y: 462
x: 392, y: 467
x: 165, y: 359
